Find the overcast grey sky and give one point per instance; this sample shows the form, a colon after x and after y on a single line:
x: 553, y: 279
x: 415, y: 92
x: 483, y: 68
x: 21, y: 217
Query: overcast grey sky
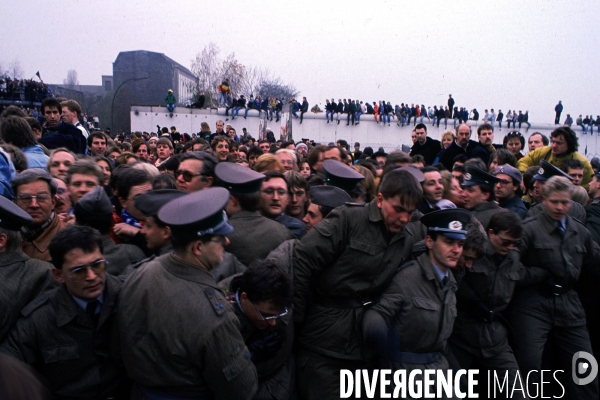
x: 502, y: 54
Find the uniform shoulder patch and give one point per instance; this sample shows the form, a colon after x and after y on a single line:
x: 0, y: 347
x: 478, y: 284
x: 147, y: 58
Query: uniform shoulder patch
x: 355, y: 204
x: 218, y: 306
x: 33, y: 305
x: 145, y: 260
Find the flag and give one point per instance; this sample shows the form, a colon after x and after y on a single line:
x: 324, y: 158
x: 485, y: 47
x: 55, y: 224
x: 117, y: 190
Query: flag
x: 38, y: 74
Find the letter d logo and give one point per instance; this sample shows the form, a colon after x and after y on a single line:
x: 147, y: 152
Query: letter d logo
x: 582, y: 367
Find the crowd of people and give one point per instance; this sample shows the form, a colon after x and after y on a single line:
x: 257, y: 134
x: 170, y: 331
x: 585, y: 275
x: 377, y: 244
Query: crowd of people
x: 26, y: 90
x: 163, y: 265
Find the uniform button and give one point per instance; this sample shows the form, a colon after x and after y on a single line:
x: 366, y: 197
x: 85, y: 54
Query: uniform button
x: 233, y: 371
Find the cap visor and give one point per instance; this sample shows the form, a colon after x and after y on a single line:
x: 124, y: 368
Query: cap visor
x: 468, y: 183
x: 539, y: 177
x: 224, y: 230
x: 455, y: 235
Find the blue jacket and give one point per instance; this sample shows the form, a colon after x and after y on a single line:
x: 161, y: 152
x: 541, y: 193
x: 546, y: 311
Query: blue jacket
x: 65, y: 135
x: 7, y: 172
x: 36, y: 158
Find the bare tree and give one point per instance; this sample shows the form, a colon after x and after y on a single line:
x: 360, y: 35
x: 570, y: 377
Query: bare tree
x: 211, y: 71
x: 14, y: 70
x: 71, y: 78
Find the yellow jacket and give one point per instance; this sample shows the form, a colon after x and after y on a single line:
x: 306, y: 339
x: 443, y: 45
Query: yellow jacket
x: 533, y: 158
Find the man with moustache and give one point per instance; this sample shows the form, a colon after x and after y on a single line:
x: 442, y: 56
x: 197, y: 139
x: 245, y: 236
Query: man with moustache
x: 274, y: 199
x: 485, y: 134
x: 462, y: 145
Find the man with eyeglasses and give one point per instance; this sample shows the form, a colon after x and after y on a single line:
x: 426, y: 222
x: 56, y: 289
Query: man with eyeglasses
x: 23, y: 278
x: 274, y: 198
x: 254, y: 235
x: 67, y: 334
x: 508, y: 189
x: 549, y: 307
x: 262, y: 301
x: 195, y: 171
x: 480, y: 333
x: 35, y: 192
x: 95, y: 210
x: 179, y: 335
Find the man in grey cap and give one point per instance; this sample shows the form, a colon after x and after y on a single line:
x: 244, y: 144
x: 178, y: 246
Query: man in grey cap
x: 156, y: 232
x: 546, y: 172
x: 323, y: 199
x: 22, y: 278
x: 254, y: 235
x: 478, y: 194
x: 94, y: 209
x: 508, y: 189
x: 179, y: 335
x: 35, y: 193
x: 418, y: 308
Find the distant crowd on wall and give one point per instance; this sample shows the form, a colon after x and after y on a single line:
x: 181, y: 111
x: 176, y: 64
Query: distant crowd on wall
x: 586, y: 124
x: 26, y: 90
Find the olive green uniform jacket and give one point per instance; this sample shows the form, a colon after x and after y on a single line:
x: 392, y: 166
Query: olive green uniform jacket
x: 484, y: 293
x: 271, y: 349
x: 22, y: 279
x: 484, y: 211
x: 180, y: 336
x: 119, y: 256
x: 254, y: 236
x: 347, y: 256
x: 421, y: 310
x: 76, y: 357
x: 542, y: 245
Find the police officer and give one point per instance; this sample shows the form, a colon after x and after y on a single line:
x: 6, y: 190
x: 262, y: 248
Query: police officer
x: 323, y: 199
x: 156, y: 232
x: 340, y: 267
x: 180, y: 337
x: 549, y: 307
x: 254, y: 236
x: 478, y: 194
x: 344, y: 177
x: 419, y: 306
x: 67, y: 334
x: 94, y: 209
x: 546, y: 172
x: 21, y: 278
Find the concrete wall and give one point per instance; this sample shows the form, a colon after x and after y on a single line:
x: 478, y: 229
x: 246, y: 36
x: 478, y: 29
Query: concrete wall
x: 315, y: 127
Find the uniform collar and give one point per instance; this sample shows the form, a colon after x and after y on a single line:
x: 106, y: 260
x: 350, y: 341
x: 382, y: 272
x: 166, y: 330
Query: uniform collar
x: 187, y: 271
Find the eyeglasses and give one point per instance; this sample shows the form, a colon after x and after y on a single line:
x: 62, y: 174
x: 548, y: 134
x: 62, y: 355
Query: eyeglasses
x: 271, y: 192
x: 507, y: 242
x: 27, y: 198
x: 219, y: 239
x: 504, y: 182
x: 80, y: 273
x: 270, y: 317
x: 187, y: 175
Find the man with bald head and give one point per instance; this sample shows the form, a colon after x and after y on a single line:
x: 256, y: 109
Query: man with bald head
x: 461, y: 145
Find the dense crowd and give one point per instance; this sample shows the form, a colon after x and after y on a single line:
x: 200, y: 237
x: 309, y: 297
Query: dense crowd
x: 161, y: 265
x: 26, y: 90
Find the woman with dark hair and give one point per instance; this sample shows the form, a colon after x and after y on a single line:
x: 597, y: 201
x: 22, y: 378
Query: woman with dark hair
x: 16, y: 131
x: 501, y: 157
x: 514, y: 142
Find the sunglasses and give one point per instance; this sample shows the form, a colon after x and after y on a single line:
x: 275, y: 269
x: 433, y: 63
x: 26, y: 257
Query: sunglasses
x: 187, y: 175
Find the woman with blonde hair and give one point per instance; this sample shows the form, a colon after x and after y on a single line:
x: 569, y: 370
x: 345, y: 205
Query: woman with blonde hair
x: 267, y: 162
